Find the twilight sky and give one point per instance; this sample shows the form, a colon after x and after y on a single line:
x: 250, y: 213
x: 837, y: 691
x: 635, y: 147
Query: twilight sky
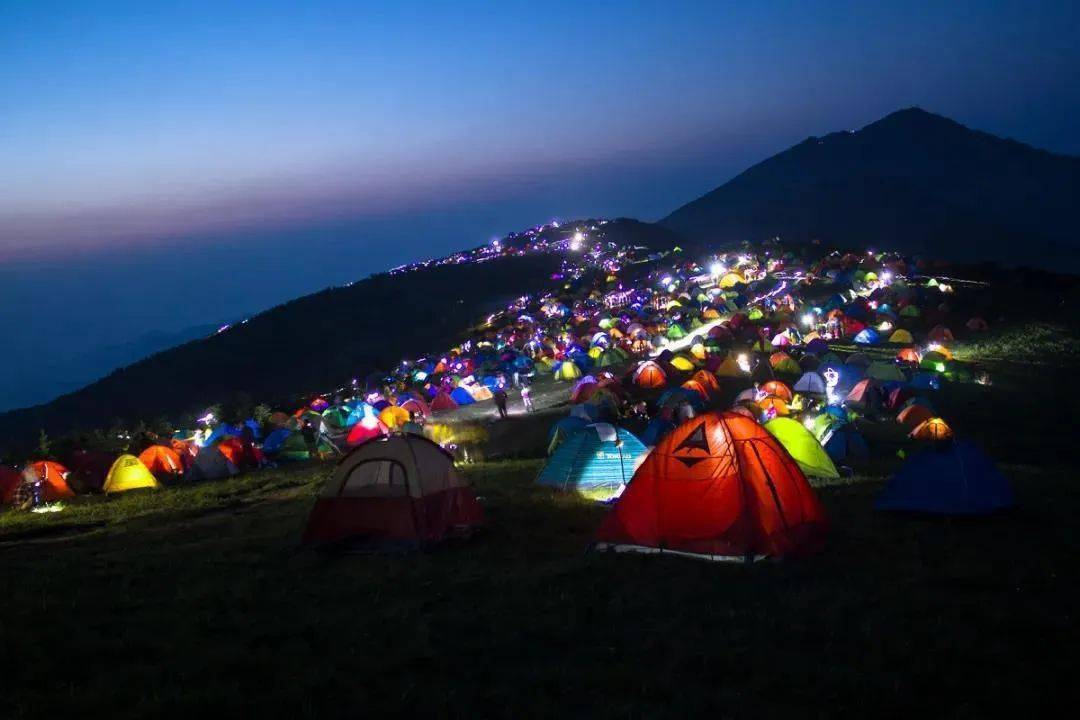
x: 164, y: 165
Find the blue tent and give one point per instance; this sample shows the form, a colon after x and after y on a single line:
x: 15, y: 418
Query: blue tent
x: 811, y: 383
x: 219, y: 433
x: 957, y: 479
x: 461, y: 396
x: 596, y: 462
x: 843, y: 443
x: 275, y: 439
x: 867, y: 336
x: 564, y: 428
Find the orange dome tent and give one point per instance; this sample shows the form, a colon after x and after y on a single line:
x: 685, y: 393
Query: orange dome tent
x: 719, y: 487
x: 650, y: 375
x: 695, y: 386
x: 162, y: 462
x: 54, y: 476
x: 774, y: 405
x: 779, y: 389
x: 932, y: 429
x: 707, y: 380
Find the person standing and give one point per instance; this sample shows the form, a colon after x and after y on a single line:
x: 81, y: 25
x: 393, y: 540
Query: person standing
x: 500, y: 401
x: 310, y: 439
x: 526, y: 397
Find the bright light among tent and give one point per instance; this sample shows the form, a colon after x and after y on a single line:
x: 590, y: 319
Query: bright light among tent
x: 743, y: 362
x: 577, y: 240
x: 717, y: 269
x: 808, y: 319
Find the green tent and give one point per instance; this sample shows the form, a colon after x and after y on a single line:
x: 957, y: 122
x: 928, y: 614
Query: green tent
x: 885, y: 371
x: 803, y: 447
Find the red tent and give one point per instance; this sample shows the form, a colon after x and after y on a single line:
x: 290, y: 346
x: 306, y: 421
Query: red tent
x: 395, y: 489
x: 718, y: 486
x: 443, y: 401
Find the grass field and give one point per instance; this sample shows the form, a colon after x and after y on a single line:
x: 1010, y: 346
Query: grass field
x: 199, y: 599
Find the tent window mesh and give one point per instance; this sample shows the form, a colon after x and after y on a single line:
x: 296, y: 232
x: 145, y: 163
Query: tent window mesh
x: 376, y: 478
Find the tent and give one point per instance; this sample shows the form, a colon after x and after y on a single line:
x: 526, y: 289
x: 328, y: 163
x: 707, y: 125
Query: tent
x: 932, y: 429
x: 956, y: 478
x: 562, y: 429
x: 459, y: 395
x: 128, y: 473
x: 443, y: 401
x: 719, y: 487
x: 394, y: 417
x: 901, y: 336
x: 803, y: 447
x: 885, y: 371
x: 843, y: 443
x: 779, y: 389
x: 811, y: 383
x: 211, y: 464
x: 399, y: 489
x: 649, y: 375
x: 595, y: 462
x: 54, y: 478
x: 163, y: 462
x: 567, y: 371
x: 369, y: 426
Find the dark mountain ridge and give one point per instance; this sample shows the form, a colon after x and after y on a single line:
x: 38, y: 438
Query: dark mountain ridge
x: 912, y: 181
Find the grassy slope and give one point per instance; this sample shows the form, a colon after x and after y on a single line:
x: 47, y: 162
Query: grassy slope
x: 198, y: 598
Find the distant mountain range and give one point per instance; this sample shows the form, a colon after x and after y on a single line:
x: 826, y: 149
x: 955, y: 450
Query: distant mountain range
x: 912, y: 181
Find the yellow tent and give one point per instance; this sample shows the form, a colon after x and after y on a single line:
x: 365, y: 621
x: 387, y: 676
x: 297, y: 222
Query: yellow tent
x: 393, y: 416
x: 479, y: 392
x: 731, y: 280
x: 681, y: 363
x: 567, y: 371
x: 128, y: 473
x: 901, y: 336
x: 728, y: 368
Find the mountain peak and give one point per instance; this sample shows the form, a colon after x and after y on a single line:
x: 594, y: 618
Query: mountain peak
x: 912, y: 181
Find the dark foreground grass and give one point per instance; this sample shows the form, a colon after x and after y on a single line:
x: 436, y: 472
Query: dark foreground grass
x: 199, y: 600
x: 220, y: 612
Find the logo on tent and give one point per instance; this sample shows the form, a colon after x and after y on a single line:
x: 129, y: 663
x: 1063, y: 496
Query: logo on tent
x: 696, y: 440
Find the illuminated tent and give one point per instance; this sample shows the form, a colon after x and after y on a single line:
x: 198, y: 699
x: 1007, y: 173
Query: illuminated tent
x: 719, y: 487
x: 779, y: 389
x: 811, y: 383
x: 397, y: 490
x: 163, y: 462
x: 128, y: 473
x: 461, y: 396
x: 933, y: 429
x: 901, y: 336
x: 394, y: 417
x: 54, y: 480
x: 595, y: 462
x: 649, y: 375
x: 885, y: 371
x: 368, y: 427
x: 803, y: 447
x: 567, y: 371
x: 956, y: 478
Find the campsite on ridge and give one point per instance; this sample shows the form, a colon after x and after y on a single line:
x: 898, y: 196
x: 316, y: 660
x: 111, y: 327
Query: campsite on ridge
x: 563, y: 360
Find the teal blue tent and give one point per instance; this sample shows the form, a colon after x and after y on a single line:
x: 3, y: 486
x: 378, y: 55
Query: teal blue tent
x: 596, y: 462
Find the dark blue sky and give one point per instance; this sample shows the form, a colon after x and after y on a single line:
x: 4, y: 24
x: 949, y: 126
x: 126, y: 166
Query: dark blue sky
x: 172, y: 164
